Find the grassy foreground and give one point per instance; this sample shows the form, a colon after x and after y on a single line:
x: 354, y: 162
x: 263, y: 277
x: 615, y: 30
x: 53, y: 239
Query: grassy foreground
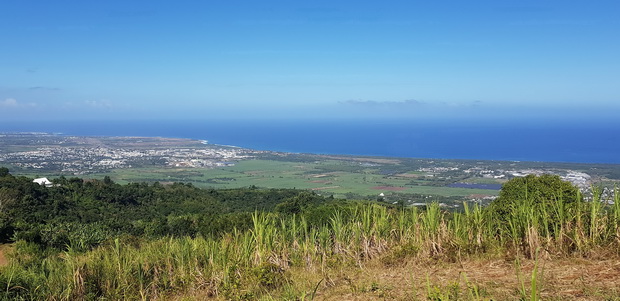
x: 362, y: 252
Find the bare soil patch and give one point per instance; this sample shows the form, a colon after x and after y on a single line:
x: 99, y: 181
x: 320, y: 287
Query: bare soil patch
x: 320, y: 181
x: 320, y: 176
x: 407, y: 175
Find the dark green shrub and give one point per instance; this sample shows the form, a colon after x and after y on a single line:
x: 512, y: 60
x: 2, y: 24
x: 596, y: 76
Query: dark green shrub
x: 270, y: 276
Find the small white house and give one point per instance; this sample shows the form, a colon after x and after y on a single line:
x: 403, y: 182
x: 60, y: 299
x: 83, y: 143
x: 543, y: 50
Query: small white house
x: 43, y: 181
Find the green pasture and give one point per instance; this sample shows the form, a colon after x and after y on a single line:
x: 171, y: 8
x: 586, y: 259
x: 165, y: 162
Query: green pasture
x: 323, y: 177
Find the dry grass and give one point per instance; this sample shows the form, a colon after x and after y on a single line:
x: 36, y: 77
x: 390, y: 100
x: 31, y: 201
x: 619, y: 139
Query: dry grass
x: 497, y: 279
x: 4, y: 249
x: 415, y: 279
x: 372, y: 253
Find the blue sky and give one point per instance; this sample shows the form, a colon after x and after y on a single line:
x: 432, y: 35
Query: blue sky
x: 314, y: 59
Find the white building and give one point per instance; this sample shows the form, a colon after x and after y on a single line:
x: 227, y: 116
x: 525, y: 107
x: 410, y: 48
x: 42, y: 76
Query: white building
x: 43, y: 181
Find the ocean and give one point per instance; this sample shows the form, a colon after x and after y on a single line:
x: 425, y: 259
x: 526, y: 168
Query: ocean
x: 514, y: 141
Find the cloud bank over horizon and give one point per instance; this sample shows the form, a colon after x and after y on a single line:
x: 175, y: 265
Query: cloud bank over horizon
x: 414, y: 110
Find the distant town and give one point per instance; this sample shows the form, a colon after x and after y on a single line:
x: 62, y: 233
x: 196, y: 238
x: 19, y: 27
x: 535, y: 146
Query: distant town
x: 86, y: 155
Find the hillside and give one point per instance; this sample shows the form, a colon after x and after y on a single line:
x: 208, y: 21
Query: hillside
x: 300, y: 246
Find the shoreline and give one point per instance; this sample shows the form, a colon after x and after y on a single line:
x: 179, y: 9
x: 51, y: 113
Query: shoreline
x: 337, y: 156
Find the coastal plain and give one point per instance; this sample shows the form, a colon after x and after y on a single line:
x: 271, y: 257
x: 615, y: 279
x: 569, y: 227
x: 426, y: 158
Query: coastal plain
x: 314, y: 176
x: 168, y: 160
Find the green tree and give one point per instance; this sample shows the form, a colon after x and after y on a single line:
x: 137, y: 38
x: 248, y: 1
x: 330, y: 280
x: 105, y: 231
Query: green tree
x: 298, y: 203
x: 4, y: 172
x: 7, y: 199
x: 545, y: 190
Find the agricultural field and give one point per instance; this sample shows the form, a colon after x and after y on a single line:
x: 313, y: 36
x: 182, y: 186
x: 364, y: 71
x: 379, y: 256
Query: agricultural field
x: 332, y: 177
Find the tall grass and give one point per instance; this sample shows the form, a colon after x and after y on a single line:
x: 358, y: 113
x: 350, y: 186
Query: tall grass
x: 245, y: 264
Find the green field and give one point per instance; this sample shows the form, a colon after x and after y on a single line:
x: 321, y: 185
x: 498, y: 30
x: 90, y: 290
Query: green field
x: 333, y: 177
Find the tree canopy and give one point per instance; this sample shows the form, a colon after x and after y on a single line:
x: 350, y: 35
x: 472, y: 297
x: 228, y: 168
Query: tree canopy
x: 545, y: 190
x: 84, y: 212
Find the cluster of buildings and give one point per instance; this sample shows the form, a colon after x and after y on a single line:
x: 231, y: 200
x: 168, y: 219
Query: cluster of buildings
x: 83, y: 160
x: 579, y: 179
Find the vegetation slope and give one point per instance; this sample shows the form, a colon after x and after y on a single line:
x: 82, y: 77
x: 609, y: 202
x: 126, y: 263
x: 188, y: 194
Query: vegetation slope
x: 98, y: 240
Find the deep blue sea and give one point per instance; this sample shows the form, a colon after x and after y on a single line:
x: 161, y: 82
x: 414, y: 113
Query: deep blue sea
x: 518, y: 141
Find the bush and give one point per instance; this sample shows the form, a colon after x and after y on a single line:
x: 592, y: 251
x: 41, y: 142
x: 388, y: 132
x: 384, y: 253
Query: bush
x: 270, y: 276
x: 548, y: 194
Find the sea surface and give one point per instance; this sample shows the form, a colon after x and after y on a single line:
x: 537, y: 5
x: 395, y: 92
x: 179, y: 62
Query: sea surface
x: 515, y: 141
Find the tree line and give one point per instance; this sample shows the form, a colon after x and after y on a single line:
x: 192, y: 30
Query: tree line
x: 78, y: 213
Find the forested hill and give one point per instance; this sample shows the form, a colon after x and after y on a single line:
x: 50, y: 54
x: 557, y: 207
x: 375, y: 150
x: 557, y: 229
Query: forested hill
x: 96, y: 240
x: 81, y: 213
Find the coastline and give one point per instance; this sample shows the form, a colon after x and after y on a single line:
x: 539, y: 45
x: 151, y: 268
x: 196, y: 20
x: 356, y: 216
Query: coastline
x: 334, y: 155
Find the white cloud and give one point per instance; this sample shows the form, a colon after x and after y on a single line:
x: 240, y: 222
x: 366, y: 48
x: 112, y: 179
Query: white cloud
x: 9, y: 103
x: 13, y: 103
x: 99, y: 103
x: 374, y: 103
